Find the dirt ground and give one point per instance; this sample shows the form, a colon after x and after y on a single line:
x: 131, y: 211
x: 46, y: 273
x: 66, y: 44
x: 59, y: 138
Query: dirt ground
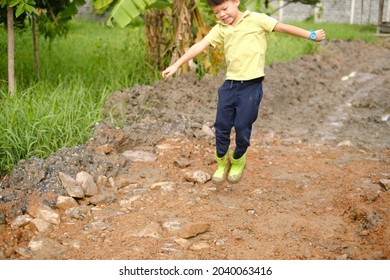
x: 316, y: 184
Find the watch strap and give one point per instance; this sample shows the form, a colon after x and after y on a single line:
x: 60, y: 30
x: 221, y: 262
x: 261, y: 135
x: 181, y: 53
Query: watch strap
x: 312, y: 35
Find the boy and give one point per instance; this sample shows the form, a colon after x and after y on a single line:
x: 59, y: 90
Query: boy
x: 242, y: 35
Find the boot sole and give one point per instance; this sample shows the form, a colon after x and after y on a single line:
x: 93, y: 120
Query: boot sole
x: 234, y: 182
x: 217, y: 182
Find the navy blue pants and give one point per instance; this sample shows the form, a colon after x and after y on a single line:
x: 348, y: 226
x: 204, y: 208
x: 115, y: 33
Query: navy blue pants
x: 238, y: 107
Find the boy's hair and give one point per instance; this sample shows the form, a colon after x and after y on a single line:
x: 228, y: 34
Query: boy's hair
x: 213, y: 3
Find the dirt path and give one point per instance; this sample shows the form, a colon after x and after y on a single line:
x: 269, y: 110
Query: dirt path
x: 316, y: 184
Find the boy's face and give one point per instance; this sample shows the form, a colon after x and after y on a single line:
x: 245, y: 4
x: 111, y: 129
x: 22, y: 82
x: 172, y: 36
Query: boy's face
x: 228, y: 11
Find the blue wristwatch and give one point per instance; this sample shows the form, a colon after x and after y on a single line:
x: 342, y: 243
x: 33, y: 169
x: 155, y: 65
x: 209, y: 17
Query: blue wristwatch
x: 312, y: 35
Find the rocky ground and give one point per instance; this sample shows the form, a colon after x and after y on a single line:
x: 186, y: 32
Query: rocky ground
x: 316, y: 184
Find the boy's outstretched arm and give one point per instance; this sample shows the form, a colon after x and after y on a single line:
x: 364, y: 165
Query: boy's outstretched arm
x: 189, y: 54
x: 297, y: 31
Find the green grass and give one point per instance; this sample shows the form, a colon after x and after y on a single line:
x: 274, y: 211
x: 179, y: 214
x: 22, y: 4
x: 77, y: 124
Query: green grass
x: 37, y: 122
x: 77, y: 73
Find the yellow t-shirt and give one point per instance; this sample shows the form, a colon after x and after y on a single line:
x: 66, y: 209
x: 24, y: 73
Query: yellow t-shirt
x: 244, y: 44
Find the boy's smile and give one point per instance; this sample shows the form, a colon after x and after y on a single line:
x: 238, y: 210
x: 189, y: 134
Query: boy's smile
x: 228, y: 12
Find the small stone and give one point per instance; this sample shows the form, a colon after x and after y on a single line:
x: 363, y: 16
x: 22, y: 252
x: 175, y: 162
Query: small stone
x: 166, y: 186
x: 182, y: 162
x: 152, y: 230
x: 184, y: 243
x: 21, y: 221
x: 192, y: 230
x: 71, y: 185
x: 39, y: 225
x: 74, y: 243
x: 206, y: 129
x: 199, y: 246
x: 86, y: 181
x: 345, y: 143
x: 198, y: 176
x: 66, y: 202
x: 385, y: 183
x: 43, y: 212
x: 139, y: 156
x: 46, y: 248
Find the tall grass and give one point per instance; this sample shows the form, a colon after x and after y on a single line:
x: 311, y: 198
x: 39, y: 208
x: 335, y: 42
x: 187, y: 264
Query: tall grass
x: 43, y: 119
x: 59, y: 107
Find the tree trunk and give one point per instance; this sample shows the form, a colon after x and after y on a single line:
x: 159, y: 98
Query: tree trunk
x: 156, y: 37
x: 380, y: 17
x: 11, y: 51
x: 182, y: 38
x: 35, y: 43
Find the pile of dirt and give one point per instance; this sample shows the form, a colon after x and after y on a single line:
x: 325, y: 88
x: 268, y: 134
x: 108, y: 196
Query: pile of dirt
x: 315, y: 186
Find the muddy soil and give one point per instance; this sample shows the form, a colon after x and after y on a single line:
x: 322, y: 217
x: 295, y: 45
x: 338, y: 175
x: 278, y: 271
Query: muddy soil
x: 316, y: 184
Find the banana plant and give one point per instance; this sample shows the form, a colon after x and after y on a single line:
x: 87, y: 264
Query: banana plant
x: 124, y: 11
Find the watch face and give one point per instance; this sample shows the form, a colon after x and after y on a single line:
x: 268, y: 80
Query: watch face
x: 313, y: 35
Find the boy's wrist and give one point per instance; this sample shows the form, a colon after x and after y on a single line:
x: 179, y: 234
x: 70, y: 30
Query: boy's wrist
x: 312, y: 35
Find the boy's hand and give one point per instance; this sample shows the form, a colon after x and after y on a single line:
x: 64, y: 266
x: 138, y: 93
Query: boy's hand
x: 169, y: 71
x: 320, y: 35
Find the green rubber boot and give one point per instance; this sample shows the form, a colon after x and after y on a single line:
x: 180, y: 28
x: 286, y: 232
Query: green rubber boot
x: 223, y: 168
x: 237, y: 169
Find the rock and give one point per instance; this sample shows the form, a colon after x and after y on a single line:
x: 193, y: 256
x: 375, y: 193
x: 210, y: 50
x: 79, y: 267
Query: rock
x: 152, y: 230
x: 106, y: 196
x: 192, y: 230
x: 209, y: 132
x: 139, y: 156
x: 165, y: 186
x: 79, y: 212
x: 184, y: 243
x: 345, y: 143
x: 198, y: 176
x: 167, y: 146
x: 172, y: 225
x: 120, y: 181
x: 71, y: 186
x: 39, y: 225
x: 21, y: 221
x: 199, y: 246
x: 101, y: 181
x: 43, y: 212
x: 96, y: 226
x: 385, y: 183
x: 74, y: 243
x: 66, y: 202
x: 85, y: 180
x: 46, y: 249
x: 104, y: 213
x: 128, y: 203
x: 182, y: 162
